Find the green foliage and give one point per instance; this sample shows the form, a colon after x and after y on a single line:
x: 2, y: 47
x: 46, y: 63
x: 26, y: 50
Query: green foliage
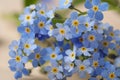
x: 56, y: 20
x: 114, y: 4
x: 78, y: 1
x: 29, y: 2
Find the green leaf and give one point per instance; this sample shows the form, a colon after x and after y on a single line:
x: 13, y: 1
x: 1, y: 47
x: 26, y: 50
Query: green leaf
x: 54, y: 21
x: 29, y: 2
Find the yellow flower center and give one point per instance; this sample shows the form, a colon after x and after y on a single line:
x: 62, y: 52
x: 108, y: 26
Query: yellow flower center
x: 81, y: 39
x: 95, y: 50
x: 27, y: 30
x: 42, y: 12
x: 75, y: 23
x: 15, y: 47
x: 86, y: 24
x: 72, y: 65
x: 37, y: 56
x: 83, y: 49
x: 95, y: 27
x: 54, y: 70
x: 53, y: 55
x: 112, y: 34
x: 81, y: 67
x: 105, y: 43
x: 72, y: 55
x: 18, y: 58
x: 95, y: 8
x: 95, y: 64
x: 62, y: 31
x: 91, y: 38
x: 112, y: 75
x: 66, y: 2
x: 41, y: 24
x: 51, y: 27
x: 28, y: 17
x: 27, y: 46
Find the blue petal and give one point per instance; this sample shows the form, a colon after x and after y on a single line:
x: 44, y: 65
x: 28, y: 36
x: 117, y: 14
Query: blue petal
x: 12, y: 54
x: 88, y: 4
x: 24, y: 59
x: 74, y: 15
x: 12, y: 68
x: 25, y: 72
x: 99, y: 16
x: 18, y: 75
x: 19, y: 66
x: 104, y: 6
x: 12, y: 62
x: 35, y: 63
x: 96, y: 2
x: 91, y: 13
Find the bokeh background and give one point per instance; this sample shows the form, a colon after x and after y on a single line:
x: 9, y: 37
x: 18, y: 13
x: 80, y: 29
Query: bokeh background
x: 9, y: 13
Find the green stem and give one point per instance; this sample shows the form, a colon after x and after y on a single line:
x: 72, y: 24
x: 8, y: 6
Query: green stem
x: 81, y: 13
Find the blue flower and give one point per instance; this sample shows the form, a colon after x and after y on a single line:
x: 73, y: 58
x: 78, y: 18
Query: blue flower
x: 61, y: 32
x: 50, y: 29
x: 63, y: 46
x: 27, y: 18
x: 75, y: 24
x: 53, y: 55
x: 100, y: 27
x: 63, y: 4
x: 14, y: 45
x: 71, y: 55
x: 91, y: 39
x: 110, y: 33
x: 106, y: 44
x: 111, y: 73
x: 87, y: 22
x: 19, y: 72
x: 28, y: 46
x: 40, y: 25
x: 55, y: 71
x: 17, y: 63
x: 95, y: 9
x: 83, y: 68
x: 84, y: 50
x: 26, y: 31
x: 96, y: 62
x: 17, y: 58
x: 43, y: 10
x: 38, y: 57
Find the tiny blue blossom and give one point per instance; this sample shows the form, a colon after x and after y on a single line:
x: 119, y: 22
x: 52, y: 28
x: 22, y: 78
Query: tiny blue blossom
x: 38, y: 57
x: 28, y: 46
x: 95, y: 9
x: 55, y: 71
x: 62, y: 31
x: 83, y: 68
x: 27, y: 18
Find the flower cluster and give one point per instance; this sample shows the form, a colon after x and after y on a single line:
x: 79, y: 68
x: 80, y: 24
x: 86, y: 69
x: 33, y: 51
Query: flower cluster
x: 81, y: 43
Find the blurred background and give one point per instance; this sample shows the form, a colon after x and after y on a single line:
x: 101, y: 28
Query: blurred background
x: 9, y: 13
